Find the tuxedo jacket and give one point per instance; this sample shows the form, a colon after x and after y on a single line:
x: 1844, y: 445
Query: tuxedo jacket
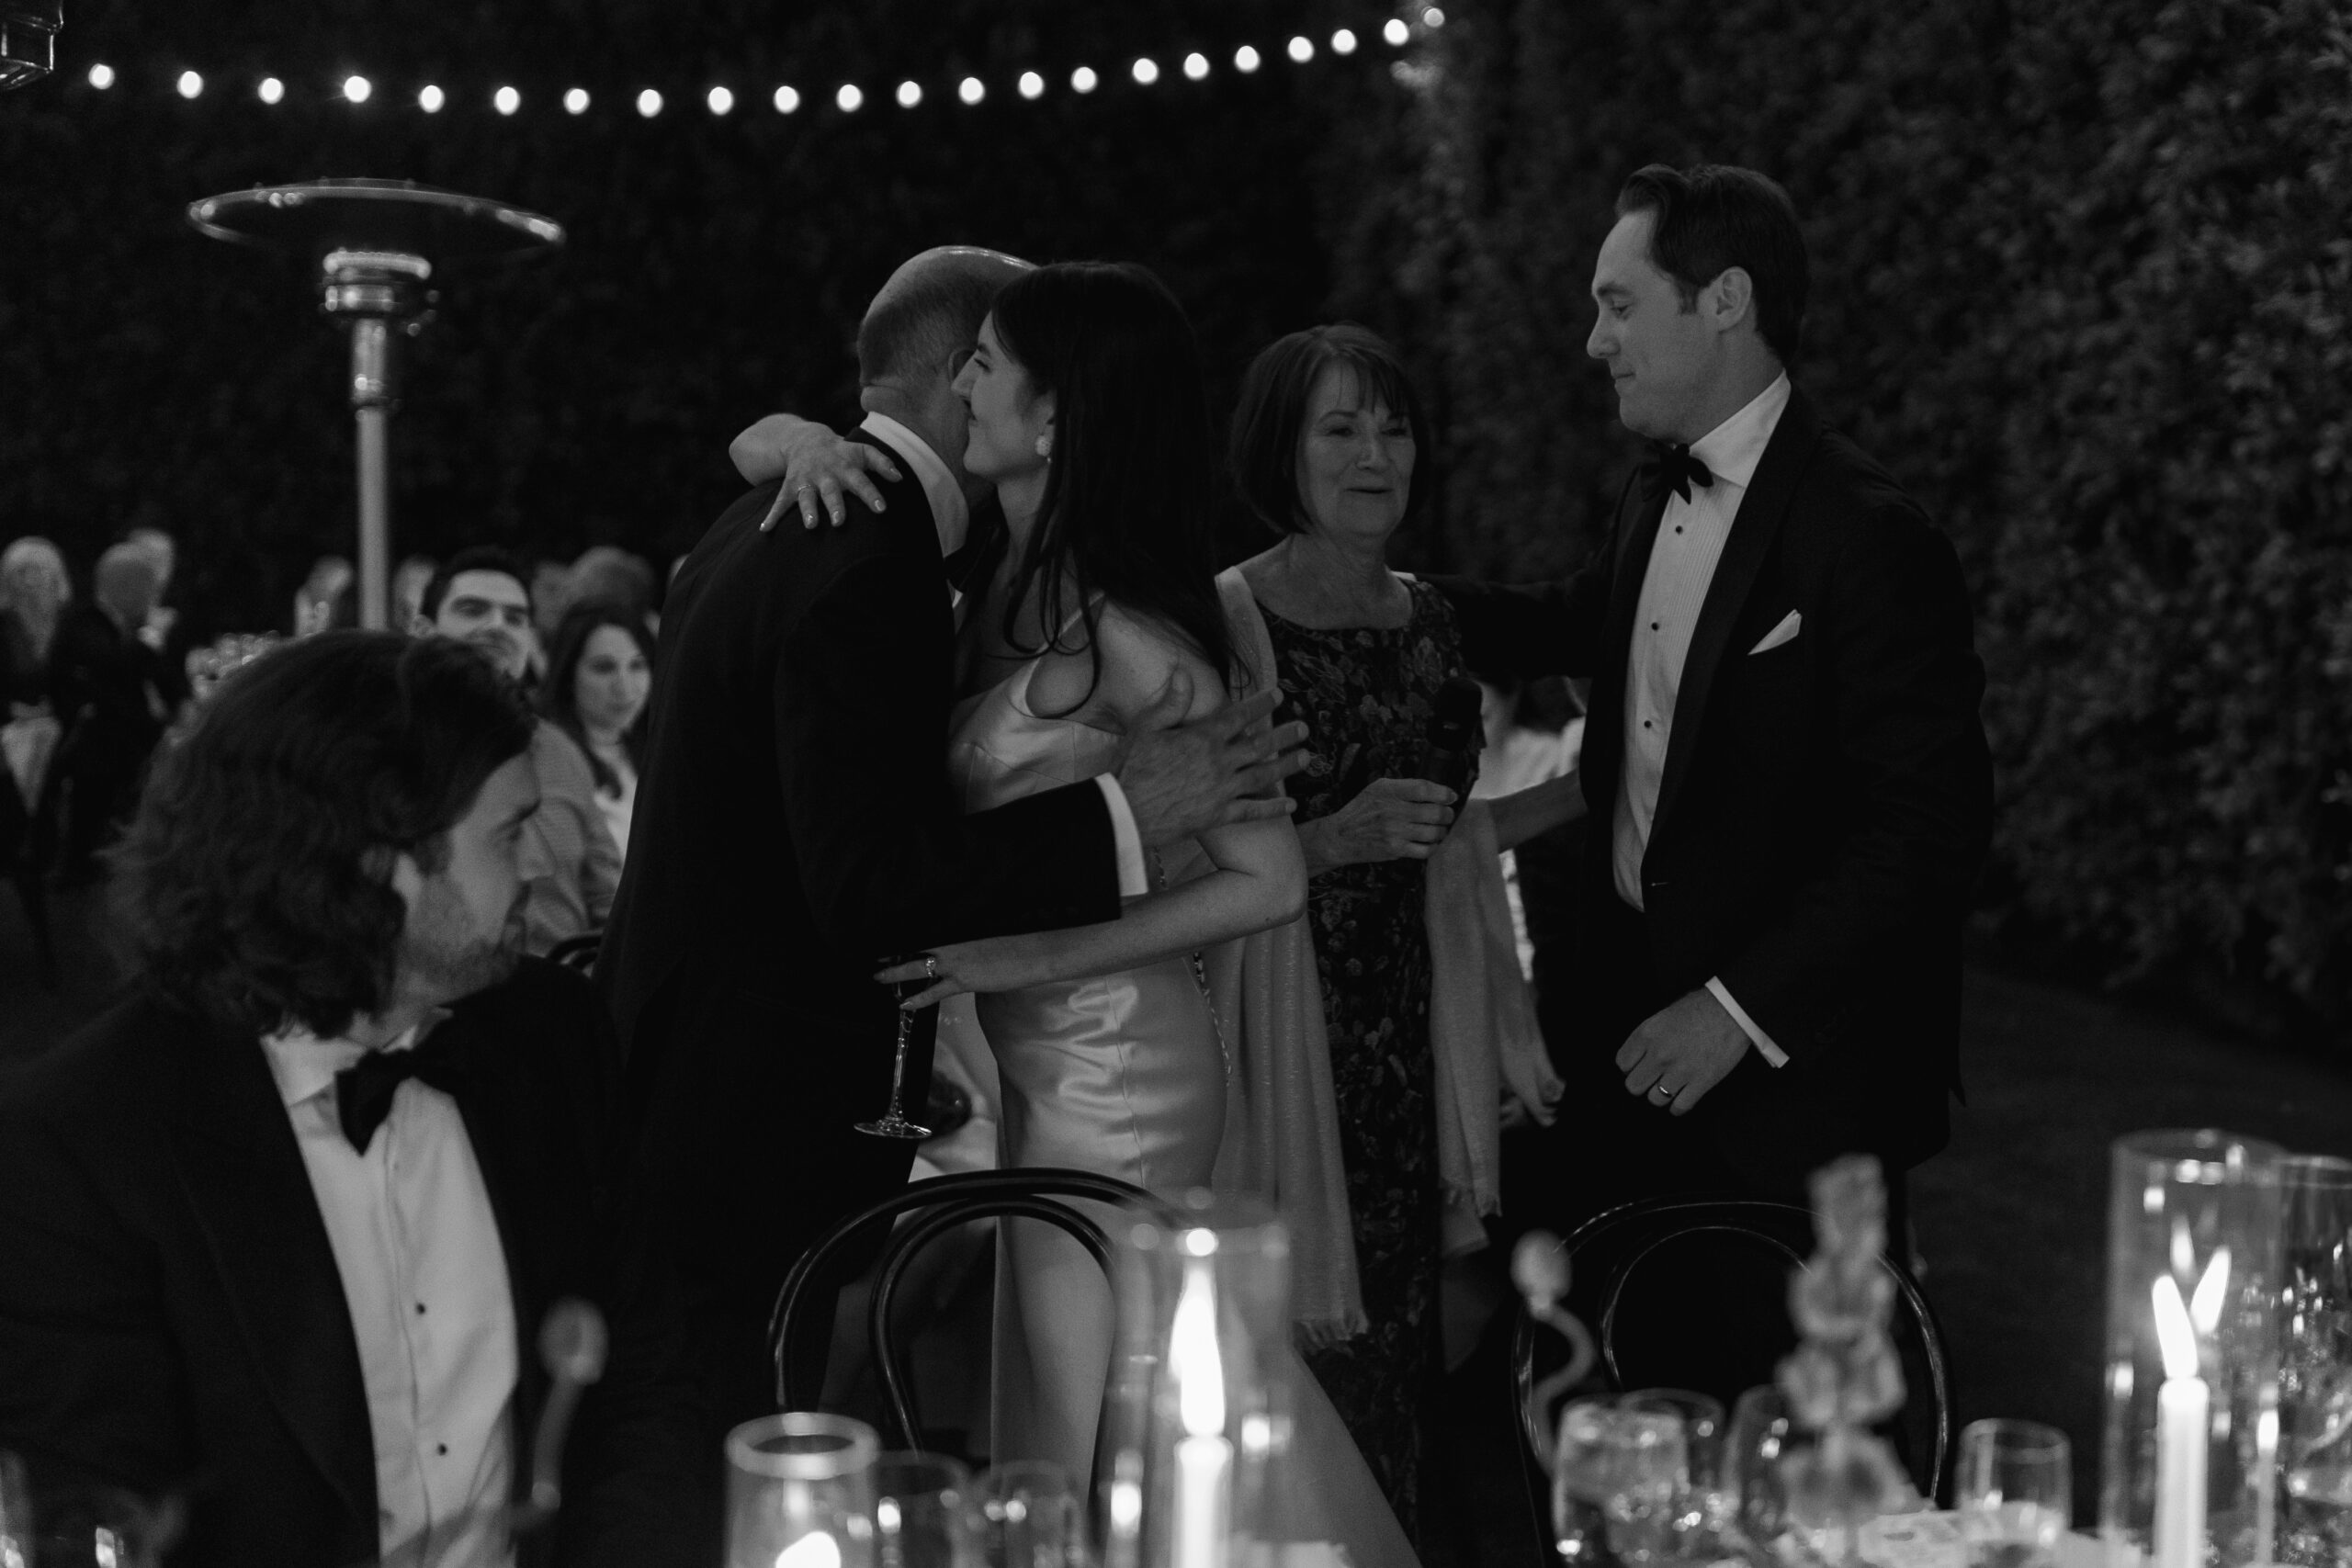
x: 795, y: 826
x: 1824, y: 807
x: 173, y: 1323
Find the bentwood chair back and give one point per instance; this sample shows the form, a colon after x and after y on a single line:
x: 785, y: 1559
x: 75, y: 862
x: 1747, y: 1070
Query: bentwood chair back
x: 918, y: 1216
x: 1691, y: 1293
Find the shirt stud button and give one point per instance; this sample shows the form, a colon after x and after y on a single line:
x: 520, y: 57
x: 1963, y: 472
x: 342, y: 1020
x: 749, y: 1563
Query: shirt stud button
x: 441, y: 1449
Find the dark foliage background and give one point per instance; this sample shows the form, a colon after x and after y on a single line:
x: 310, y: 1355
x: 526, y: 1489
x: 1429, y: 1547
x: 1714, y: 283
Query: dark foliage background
x: 2082, y: 270
x: 2081, y: 279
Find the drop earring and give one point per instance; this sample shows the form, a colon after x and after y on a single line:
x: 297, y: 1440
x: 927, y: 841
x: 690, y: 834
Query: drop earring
x: 1046, y: 445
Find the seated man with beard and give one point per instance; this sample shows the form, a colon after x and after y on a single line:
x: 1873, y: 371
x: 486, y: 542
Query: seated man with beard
x: 278, y: 1231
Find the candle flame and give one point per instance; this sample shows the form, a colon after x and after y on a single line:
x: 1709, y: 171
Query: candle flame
x: 2175, y: 1336
x: 2205, y: 1305
x: 1192, y: 1356
x: 816, y: 1550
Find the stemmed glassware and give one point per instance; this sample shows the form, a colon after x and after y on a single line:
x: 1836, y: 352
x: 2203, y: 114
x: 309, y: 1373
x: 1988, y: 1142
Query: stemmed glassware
x: 894, y: 1123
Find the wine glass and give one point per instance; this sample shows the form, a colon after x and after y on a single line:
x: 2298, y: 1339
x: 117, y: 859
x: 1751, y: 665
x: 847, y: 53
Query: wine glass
x: 1029, y: 1518
x: 922, y: 1512
x: 2014, y: 1492
x: 894, y: 1123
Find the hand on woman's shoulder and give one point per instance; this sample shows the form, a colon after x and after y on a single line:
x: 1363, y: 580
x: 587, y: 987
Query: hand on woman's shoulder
x: 1140, y: 653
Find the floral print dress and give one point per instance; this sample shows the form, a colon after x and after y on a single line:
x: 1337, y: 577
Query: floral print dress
x: 1366, y: 695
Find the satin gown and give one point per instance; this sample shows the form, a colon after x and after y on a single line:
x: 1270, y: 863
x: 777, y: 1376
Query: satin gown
x: 1121, y: 1073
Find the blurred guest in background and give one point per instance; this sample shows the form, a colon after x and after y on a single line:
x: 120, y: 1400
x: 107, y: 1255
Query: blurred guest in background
x: 599, y: 673
x: 408, y: 589
x: 328, y: 597
x: 34, y: 592
x: 116, y: 693
x: 161, y: 618
x: 574, y: 866
x: 284, y: 1221
x: 550, y: 586
x: 610, y: 575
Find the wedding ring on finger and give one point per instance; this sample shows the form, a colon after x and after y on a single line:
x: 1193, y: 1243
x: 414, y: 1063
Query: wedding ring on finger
x: 930, y: 965
x: 1662, y: 1093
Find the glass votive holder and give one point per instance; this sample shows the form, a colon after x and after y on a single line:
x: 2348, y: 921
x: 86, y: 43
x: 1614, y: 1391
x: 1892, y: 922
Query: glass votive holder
x: 2315, y: 1360
x: 2013, y: 1488
x: 1199, y: 1426
x: 800, y: 1492
x: 2189, y: 1459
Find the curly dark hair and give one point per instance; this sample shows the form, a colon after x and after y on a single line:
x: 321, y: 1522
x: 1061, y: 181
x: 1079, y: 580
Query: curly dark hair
x: 559, y: 693
x: 255, y: 885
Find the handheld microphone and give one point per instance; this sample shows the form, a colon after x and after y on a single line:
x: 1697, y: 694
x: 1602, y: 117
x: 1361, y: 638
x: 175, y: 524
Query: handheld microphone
x: 572, y: 1343
x: 1456, y: 732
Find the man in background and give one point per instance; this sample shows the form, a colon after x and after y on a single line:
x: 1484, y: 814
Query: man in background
x: 478, y: 597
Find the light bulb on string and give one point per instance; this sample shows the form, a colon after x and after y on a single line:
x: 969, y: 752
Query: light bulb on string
x: 1246, y: 60
x: 1433, y: 17
x: 1083, y: 79
x: 270, y: 90
x: 575, y: 100
x: 1395, y: 33
x: 1196, y: 65
x: 909, y: 94
x: 1343, y: 41
x: 649, y: 102
x: 719, y: 101
x: 786, y: 100
x: 102, y: 77
x: 430, y: 98
x: 357, y: 89
x: 1032, y: 85
x: 506, y: 100
x: 1302, y: 50
x: 1146, y: 71
x: 848, y: 99
x: 971, y: 90
x: 191, y: 85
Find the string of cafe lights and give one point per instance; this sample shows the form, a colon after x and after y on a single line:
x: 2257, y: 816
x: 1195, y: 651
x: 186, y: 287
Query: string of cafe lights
x: 849, y: 98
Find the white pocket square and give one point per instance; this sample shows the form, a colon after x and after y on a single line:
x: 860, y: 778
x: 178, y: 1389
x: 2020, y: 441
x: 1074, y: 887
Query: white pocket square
x: 1785, y: 632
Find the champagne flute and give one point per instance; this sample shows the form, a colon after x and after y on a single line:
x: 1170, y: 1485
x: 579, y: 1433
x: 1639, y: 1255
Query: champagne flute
x: 894, y: 1123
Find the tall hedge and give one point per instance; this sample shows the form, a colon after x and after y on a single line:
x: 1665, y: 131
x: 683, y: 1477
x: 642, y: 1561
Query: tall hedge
x: 2082, y: 270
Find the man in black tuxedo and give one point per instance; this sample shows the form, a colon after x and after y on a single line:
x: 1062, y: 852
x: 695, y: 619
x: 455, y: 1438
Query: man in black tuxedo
x: 282, y: 1226
x: 1789, y: 788
x: 795, y: 827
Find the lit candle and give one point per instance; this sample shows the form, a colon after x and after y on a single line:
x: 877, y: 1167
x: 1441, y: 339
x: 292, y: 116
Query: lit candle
x: 1204, y: 1456
x: 2183, y: 1412
x: 819, y: 1549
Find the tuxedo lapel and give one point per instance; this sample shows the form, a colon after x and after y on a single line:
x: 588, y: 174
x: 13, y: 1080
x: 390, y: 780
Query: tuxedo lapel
x: 1761, y: 511
x: 245, y: 1177
x: 1639, y: 513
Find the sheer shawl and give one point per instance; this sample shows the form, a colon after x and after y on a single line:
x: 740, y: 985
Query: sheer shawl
x: 1282, y: 1126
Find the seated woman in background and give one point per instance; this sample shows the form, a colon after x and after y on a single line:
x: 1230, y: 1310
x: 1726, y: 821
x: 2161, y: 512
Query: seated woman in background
x: 599, y: 673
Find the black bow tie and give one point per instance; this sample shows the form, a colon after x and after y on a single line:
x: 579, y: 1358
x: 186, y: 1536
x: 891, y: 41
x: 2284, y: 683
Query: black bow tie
x: 1673, y: 468
x: 364, y: 1090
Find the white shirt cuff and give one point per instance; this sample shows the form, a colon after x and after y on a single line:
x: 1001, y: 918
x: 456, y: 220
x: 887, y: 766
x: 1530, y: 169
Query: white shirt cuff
x: 1756, y: 1037
x: 1134, y: 880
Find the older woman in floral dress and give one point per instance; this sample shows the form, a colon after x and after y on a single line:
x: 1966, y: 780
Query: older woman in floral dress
x: 1326, y: 446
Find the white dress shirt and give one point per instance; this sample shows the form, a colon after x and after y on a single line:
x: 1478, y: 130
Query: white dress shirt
x: 953, y: 518
x: 1690, y: 537
x: 424, y: 1277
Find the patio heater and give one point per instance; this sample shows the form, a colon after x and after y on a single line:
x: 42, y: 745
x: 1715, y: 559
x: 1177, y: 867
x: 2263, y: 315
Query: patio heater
x: 376, y: 243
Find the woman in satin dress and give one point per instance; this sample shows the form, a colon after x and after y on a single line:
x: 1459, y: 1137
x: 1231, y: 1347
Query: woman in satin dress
x: 1087, y: 413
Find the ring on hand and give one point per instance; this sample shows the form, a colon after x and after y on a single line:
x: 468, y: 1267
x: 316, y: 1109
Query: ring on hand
x: 931, y: 965
x: 1663, y: 1092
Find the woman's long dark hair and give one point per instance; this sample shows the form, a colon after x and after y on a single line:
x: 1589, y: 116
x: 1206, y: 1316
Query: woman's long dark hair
x: 559, y: 692
x: 1126, y: 513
